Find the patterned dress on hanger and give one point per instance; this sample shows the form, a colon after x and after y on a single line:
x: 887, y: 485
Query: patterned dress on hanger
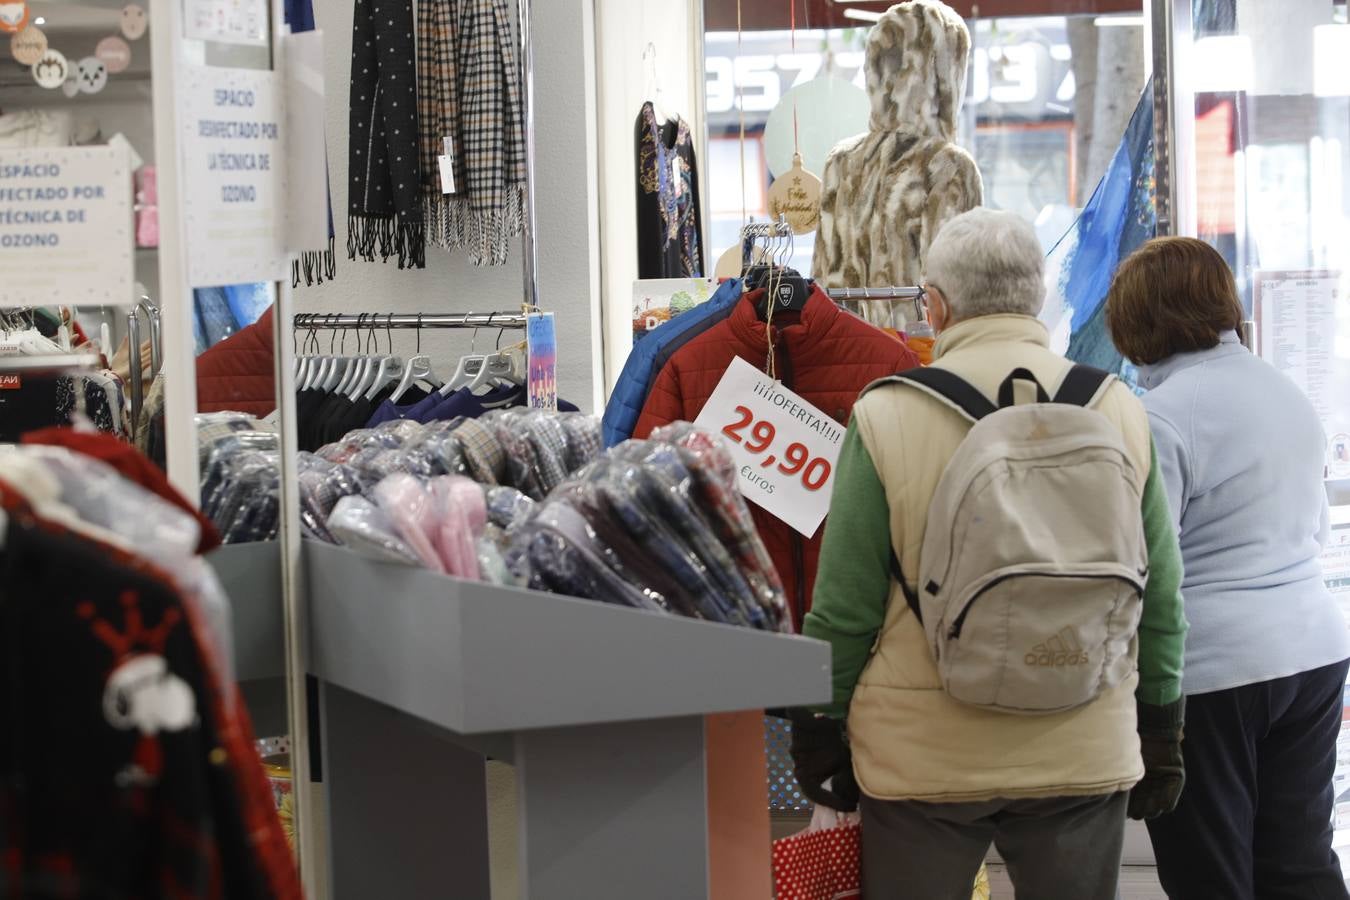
x: 669, y: 220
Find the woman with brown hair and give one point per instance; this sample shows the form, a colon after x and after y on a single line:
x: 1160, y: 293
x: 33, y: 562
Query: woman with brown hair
x: 1242, y: 453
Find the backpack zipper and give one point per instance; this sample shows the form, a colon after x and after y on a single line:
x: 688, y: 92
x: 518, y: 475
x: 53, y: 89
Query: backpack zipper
x: 954, y: 633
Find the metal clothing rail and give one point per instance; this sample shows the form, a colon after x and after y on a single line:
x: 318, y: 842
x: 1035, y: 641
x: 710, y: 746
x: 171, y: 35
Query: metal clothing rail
x: 907, y: 294
x: 876, y: 293
x: 377, y: 321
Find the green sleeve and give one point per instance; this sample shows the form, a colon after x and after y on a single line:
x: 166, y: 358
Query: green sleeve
x: 1162, y: 631
x: 854, y: 578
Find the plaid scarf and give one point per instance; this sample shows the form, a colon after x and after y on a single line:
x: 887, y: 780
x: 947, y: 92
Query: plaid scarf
x: 436, y: 110
x: 385, y: 204
x: 479, y: 102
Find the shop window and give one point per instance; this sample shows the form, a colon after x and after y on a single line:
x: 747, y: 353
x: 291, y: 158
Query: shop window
x: 1048, y: 96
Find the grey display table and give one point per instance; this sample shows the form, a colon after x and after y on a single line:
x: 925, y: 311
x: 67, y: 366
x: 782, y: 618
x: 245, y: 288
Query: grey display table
x: 251, y: 576
x: 599, y: 708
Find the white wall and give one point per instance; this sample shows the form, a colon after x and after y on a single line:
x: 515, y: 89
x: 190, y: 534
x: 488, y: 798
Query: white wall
x: 566, y: 209
x: 623, y: 30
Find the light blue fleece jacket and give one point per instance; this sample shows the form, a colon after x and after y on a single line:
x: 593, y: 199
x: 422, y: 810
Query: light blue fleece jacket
x: 1242, y: 453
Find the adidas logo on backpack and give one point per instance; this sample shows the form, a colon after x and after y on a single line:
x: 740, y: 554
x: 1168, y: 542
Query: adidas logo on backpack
x: 1060, y: 650
x: 1034, y: 529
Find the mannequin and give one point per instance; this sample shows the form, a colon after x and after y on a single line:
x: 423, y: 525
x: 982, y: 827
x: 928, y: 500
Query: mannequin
x: 889, y: 190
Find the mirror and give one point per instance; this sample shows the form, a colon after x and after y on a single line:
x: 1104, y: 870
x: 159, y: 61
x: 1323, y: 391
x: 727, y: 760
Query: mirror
x: 103, y: 327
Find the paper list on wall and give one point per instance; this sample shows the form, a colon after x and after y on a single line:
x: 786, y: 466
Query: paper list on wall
x: 1298, y: 329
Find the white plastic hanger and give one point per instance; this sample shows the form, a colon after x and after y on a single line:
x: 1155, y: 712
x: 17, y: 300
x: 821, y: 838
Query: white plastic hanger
x: 469, y: 366
x: 417, y: 369
x: 372, y: 365
x: 336, y: 370
x: 654, y: 91
x: 384, y: 374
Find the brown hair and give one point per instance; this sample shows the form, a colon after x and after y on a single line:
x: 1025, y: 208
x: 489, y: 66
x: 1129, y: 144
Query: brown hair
x: 1172, y: 295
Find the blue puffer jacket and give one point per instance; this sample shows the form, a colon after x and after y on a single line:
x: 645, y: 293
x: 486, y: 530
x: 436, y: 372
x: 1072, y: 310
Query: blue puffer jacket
x: 650, y: 354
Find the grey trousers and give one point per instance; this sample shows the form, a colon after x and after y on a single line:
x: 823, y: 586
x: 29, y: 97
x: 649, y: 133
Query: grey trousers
x: 1064, y: 848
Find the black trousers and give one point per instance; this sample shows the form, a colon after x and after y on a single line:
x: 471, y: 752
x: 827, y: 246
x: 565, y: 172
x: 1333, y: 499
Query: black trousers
x: 1254, y: 822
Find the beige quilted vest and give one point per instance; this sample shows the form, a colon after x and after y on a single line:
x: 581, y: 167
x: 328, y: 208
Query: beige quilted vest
x: 910, y: 739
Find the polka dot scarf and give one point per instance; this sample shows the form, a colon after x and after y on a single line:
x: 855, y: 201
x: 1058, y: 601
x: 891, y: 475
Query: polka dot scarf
x: 384, y: 210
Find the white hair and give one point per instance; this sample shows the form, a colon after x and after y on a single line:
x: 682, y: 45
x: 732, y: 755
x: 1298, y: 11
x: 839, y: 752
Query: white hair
x: 987, y: 262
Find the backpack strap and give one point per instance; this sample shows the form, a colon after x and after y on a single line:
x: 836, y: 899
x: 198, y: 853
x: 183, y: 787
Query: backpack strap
x: 1083, y: 386
x: 954, y: 392
x: 947, y: 388
x: 1006, y: 396
x: 911, y: 598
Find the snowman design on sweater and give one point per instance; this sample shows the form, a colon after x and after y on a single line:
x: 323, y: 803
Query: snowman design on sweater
x: 141, y: 693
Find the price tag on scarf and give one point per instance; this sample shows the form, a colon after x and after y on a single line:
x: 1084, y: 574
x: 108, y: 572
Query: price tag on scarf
x: 785, y: 449
x: 446, y: 162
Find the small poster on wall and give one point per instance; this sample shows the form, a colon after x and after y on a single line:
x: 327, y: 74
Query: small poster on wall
x: 65, y: 226
x: 234, y: 176
x: 226, y: 21
x: 658, y: 300
x: 541, y: 341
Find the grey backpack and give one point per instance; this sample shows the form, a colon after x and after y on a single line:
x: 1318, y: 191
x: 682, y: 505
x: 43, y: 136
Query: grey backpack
x: 1033, y: 565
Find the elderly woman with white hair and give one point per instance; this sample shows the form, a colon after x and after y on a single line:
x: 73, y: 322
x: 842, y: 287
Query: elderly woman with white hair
x: 939, y: 776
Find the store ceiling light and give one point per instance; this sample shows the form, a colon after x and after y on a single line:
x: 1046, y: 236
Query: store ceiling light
x: 40, y: 20
x: 1119, y: 21
x: 1331, y: 50
x: 862, y: 15
x: 1222, y: 64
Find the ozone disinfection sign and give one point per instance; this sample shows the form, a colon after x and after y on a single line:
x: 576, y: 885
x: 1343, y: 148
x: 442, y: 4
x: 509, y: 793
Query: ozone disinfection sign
x: 65, y: 226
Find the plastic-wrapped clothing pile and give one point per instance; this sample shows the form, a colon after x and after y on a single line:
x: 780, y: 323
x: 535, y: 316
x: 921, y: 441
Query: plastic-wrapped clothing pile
x: 522, y: 497
x: 441, y: 494
x: 658, y: 525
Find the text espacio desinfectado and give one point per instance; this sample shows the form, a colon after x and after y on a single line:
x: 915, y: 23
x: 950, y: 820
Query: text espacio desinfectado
x: 55, y: 193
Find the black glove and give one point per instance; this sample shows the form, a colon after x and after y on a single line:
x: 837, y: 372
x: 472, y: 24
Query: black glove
x: 820, y: 753
x: 1160, y: 734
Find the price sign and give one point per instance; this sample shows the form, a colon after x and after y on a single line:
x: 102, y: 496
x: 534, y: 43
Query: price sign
x: 785, y: 449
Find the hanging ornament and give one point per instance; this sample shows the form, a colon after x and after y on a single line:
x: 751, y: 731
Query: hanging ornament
x: 51, y: 69
x: 71, y: 86
x: 13, y: 17
x: 28, y: 45
x: 91, y: 75
x: 134, y: 21
x: 114, y: 53
x: 795, y: 197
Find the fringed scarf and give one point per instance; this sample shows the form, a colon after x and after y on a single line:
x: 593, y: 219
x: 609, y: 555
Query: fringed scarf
x: 385, y: 208
x: 437, y: 112
x: 314, y: 266
x: 473, y: 79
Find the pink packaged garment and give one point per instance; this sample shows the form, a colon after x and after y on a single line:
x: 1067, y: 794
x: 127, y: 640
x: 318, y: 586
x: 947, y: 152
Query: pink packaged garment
x: 414, y: 514
x: 463, y: 516
x: 147, y: 207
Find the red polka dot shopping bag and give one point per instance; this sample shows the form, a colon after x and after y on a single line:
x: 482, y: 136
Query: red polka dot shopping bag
x: 823, y: 864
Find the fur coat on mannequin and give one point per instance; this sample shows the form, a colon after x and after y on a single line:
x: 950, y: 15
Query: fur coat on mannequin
x: 887, y: 192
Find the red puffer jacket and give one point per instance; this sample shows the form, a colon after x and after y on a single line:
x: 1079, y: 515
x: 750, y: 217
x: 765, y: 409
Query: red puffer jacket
x: 822, y: 353
x: 236, y: 374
